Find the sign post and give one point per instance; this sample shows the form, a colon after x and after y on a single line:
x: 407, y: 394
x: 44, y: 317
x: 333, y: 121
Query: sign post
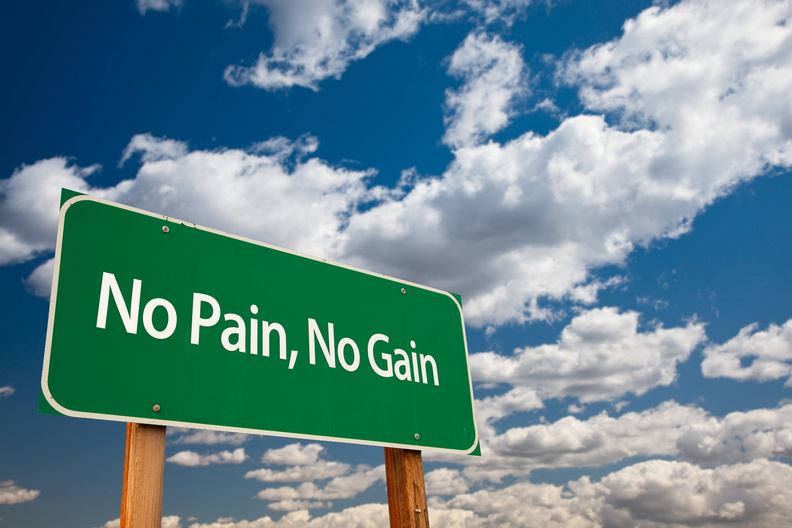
x: 144, y: 466
x: 406, y: 490
x: 160, y: 322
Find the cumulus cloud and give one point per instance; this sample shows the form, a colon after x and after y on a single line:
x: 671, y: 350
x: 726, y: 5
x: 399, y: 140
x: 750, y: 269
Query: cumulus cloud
x: 193, y: 459
x: 600, y: 355
x: 306, y: 466
x: 318, y: 39
x: 688, y: 109
x: 317, y: 471
x: 652, y: 493
x: 342, y: 487
x: 29, y: 206
x: 364, y: 516
x: 157, y: 5
x: 672, y: 430
x: 769, y: 352
x: 270, y: 193
x: 445, y: 481
x: 293, y: 454
x: 206, y: 437
x: 493, y: 72
x: 10, y: 493
x: 169, y: 521
x: 508, y: 226
x: 8, y: 390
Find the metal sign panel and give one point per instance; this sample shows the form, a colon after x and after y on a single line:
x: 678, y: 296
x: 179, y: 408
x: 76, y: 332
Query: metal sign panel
x: 154, y: 320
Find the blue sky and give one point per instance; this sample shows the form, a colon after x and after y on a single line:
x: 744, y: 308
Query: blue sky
x: 606, y: 184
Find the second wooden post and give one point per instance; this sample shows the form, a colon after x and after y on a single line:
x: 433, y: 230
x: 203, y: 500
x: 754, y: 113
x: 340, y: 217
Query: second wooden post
x: 406, y: 490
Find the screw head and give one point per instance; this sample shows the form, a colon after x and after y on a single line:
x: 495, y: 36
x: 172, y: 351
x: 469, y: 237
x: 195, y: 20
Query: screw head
x: 417, y: 436
x: 165, y: 229
x: 403, y: 291
x: 156, y: 408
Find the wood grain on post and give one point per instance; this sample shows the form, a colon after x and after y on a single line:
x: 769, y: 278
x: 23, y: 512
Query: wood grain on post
x: 144, y: 466
x: 406, y: 491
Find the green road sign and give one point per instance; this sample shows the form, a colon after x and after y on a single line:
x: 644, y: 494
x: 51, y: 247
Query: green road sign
x: 154, y: 320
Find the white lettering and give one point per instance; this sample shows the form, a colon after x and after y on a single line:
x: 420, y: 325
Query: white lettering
x: 424, y: 361
x: 239, y: 331
x: 266, y: 329
x: 129, y: 316
x: 313, y: 331
x: 148, y: 323
x: 197, y: 320
x: 402, y: 367
x: 386, y: 372
x: 349, y: 367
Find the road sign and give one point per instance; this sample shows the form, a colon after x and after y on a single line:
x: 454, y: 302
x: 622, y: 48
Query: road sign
x: 158, y: 321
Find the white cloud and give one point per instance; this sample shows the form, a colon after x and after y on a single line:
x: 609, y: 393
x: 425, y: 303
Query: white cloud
x: 342, y: 487
x: 501, y: 10
x: 318, y: 39
x: 510, y: 224
x: 293, y: 454
x: 153, y: 149
x: 206, y: 437
x: 600, y: 355
x: 292, y: 505
x: 493, y: 72
x: 8, y: 390
x: 157, y: 5
x: 652, y: 493
x: 319, y: 470
x: 193, y: 459
x: 770, y: 352
x: 39, y: 283
x: 444, y: 481
x: 270, y: 193
x: 169, y: 521
x: 507, y: 225
x: 669, y: 430
x: 29, y: 206
x: 364, y: 516
x: 10, y: 493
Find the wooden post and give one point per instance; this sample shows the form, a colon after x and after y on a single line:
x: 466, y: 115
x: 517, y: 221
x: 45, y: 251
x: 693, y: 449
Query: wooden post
x: 144, y: 467
x: 406, y: 491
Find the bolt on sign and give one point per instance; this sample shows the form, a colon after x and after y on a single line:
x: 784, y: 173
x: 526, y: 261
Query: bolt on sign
x: 158, y: 321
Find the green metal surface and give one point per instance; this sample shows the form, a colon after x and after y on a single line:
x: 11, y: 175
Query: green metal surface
x: 121, y: 374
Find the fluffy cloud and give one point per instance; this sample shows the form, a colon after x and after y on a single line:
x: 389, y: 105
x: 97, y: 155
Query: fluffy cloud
x: 694, y: 100
x: 318, y: 471
x: 8, y: 390
x: 651, y: 493
x: 293, y: 454
x: 445, y: 481
x: 507, y: 225
x: 364, y: 516
x: 193, y: 459
x: 669, y: 430
x: 206, y: 437
x: 770, y: 352
x: 10, y: 493
x: 600, y: 355
x: 317, y: 39
x: 493, y: 71
x: 342, y: 487
x: 169, y: 521
x: 157, y: 5
x: 270, y: 192
x: 29, y: 208
x: 307, y: 467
